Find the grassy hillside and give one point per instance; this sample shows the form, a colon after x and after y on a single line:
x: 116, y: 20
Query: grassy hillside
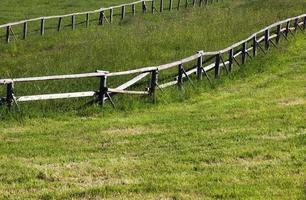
x: 135, y: 42
x: 244, y: 139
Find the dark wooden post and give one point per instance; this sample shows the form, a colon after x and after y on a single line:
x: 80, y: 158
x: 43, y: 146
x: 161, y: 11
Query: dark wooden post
x: 255, y: 46
x: 170, y: 4
x: 153, y: 84
x: 42, y: 27
x: 296, y: 24
x: 133, y: 9
x: 287, y: 29
x: 9, y: 95
x: 73, y: 22
x: 161, y: 6
x: 217, y: 66
x: 111, y: 13
x: 230, y: 59
x: 87, y: 20
x: 59, y: 24
x: 102, y: 90
x: 152, y: 6
x: 267, y: 38
x: 278, y: 33
x: 244, y: 52
x: 101, y: 18
x: 199, y: 66
x: 144, y: 7
x: 122, y: 12
x: 304, y: 23
x: 180, y: 76
x: 8, y: 34
x: 25, y: 30
x: 178, y: 4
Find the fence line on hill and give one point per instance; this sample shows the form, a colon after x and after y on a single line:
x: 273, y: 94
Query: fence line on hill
x: 237, y: 53
x: 102, y: 19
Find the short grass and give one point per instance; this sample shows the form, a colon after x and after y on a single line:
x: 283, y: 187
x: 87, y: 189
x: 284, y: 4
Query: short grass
x: 144, y: 40
x: 243, y: 139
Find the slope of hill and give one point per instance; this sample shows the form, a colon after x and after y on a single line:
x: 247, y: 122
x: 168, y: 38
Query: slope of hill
x: 243, y: 139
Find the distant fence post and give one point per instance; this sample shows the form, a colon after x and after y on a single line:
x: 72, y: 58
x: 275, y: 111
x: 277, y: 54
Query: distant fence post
x: 180, y: 76
x: 230, y: 59
x: 296, y: 24
x: 153, y: 84
x: 152, y: 6
x: 73, y: 22
x: 59, y: 24
x: 304, y: 23
x: 161, y: 6
x: 122, y: 12
x: 200, y: 66
x: 255, y: 46
x: 278, y: 33
x: 101, y: 18
x: 244, y: 52
x: 25, y: 30
x: 217, y: 66
x: 287, y: 28
x: 87, y: 20
x: 111, y: 13
x: 10, y: 95
x: 8, y: 34
x: 133, y: 9
x: 144, y: 7
x: 102, y: 90
x: 267, y: 35
x: 42, y: 27
x: 170, y: 4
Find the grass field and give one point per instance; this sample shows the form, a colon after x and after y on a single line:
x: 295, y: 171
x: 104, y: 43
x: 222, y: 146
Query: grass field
x: 244, y: 139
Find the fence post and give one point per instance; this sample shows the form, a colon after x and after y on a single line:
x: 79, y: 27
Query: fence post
x: 180, y: 76
x: 8, y: 34
x: 278, y: 33
x: 153, y: 84
x: 87, y: 20
x: 101, y: 18
x: 161, y: 6
x: 102, y: 90
x: 255, y: 46
x: 122, y: 12
x: 10, y: 95
x: 296, y: 24
x: 230, y: 59
x: 73, y: 22
x: 170, y: 4
x: 133, y: 9
x: 217, y: 66
x: 287, y: 28
x: 144, y: 8
x: 42, y: 27
x: 244, y: 52
x: 200, y: 65
x: 152, y: 6
x: 178, y: 4
x: 267, y: 35
x: 304, y: 24
x: 59, y: 24
x: 111, y: 13
x: 25, y: 30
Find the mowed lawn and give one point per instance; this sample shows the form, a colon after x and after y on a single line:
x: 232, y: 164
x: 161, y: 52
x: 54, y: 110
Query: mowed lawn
x: 245, y: 138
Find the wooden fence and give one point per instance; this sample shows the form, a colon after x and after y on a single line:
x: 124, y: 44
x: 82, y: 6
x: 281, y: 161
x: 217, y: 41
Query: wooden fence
x: 106, y: 15
x: 225, y: 59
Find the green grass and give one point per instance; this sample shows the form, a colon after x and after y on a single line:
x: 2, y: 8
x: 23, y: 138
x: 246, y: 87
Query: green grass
x: 135, y: 42
x: 244, y: 139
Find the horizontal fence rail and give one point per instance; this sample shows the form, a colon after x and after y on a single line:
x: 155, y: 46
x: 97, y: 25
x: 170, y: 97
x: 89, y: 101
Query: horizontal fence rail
x: 105, y: 15
x: 205, y: 62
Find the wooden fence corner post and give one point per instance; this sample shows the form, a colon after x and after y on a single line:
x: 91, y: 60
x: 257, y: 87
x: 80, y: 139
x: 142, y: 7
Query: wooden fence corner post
x: 217, y: 66
x: 102, y: 90
x: 200, y: 66
x: 153, y: 84
x: 267, y: 39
